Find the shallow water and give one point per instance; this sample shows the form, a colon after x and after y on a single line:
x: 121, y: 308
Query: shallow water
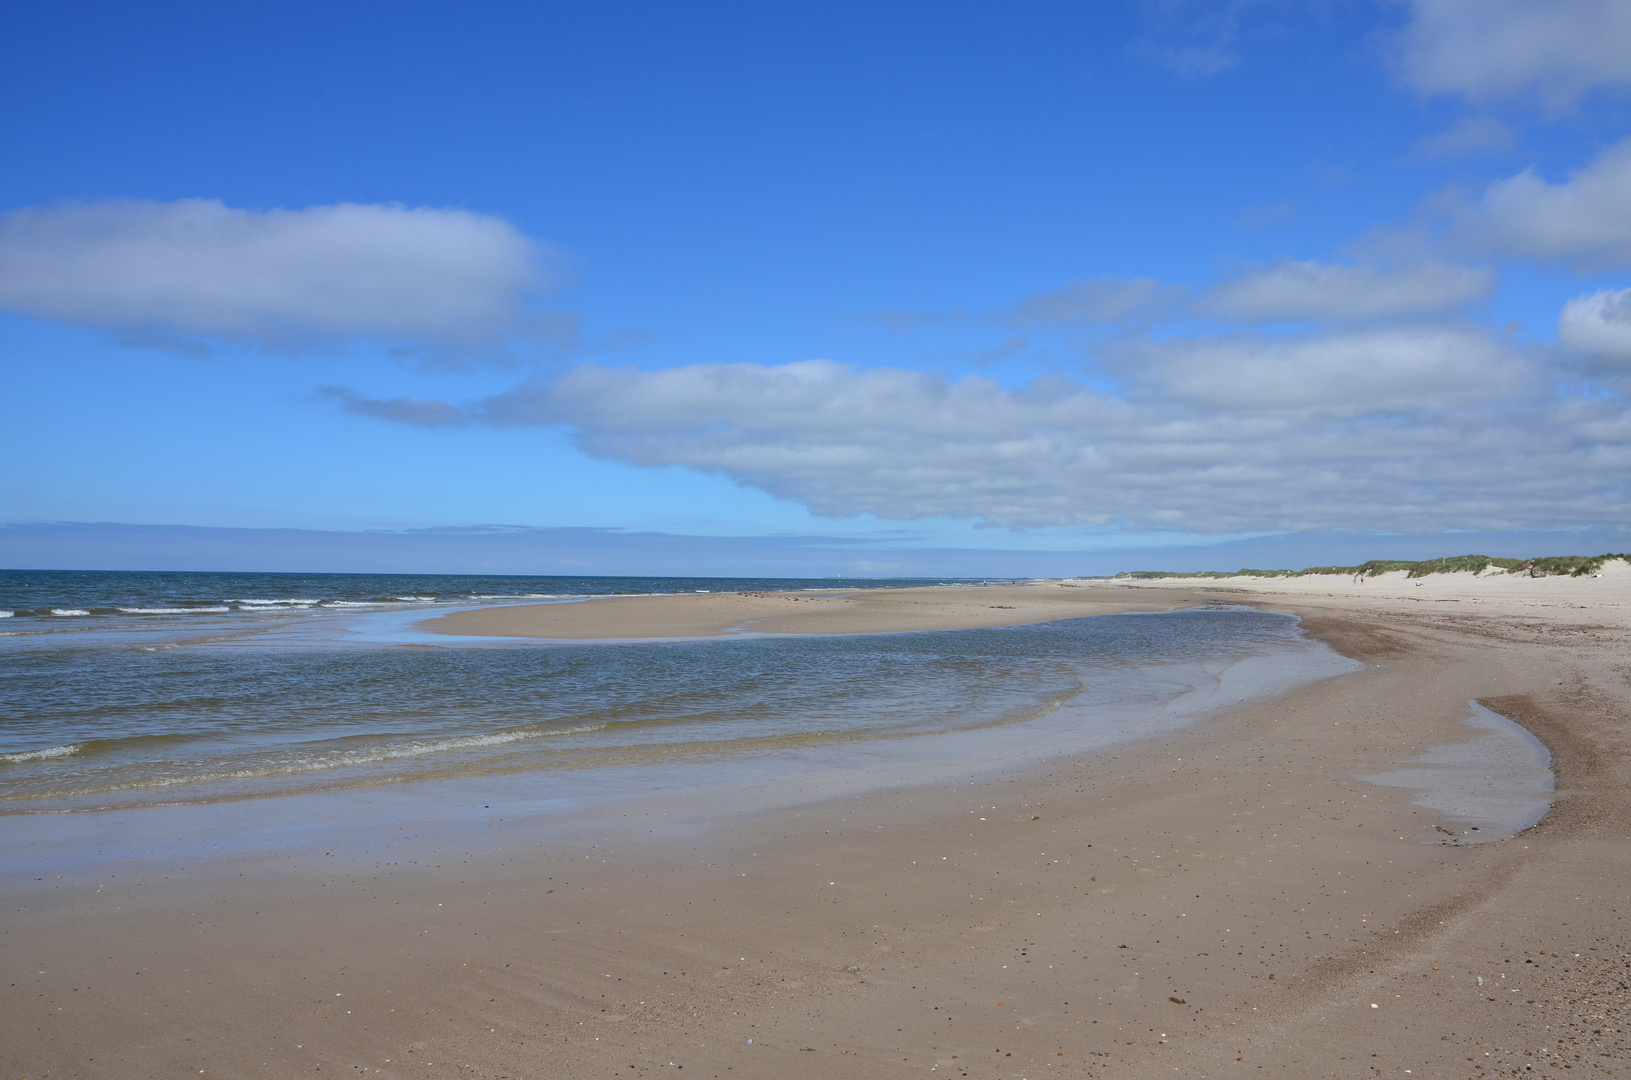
x: 1488, y: 787
x: 194, y: 704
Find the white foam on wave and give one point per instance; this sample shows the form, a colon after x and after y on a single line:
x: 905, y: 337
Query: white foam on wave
x: 174, y: 610
x: 351, y: 758
x: 461, y: 742
x: 6, y: 614
x: 253, y: 603
x: 42, y: 755
x: 69, y: 611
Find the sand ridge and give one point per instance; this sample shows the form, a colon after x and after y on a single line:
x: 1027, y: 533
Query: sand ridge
x: 861, y: 611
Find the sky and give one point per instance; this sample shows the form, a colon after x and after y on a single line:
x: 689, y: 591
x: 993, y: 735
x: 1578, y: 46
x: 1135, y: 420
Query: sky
x: 836, y: 288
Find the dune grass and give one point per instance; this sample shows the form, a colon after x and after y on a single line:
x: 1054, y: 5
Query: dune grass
x: 1541, y: 566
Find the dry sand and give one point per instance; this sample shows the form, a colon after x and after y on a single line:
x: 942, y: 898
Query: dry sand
x: 815, y: 612
x: 1226, y: 901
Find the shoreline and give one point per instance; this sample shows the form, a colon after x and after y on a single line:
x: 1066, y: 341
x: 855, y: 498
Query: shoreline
x: 696, y: 783
x: 914, y: 698
x: 963, y: 934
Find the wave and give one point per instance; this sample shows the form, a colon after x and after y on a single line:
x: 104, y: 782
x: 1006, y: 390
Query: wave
x: 323, y: 763
x: 440, y: 746
x: 247, y: 605
x: 42, y: 755
x: 254, y: 603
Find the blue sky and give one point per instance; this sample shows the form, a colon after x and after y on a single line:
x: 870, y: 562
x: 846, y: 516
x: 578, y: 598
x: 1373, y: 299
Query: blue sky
x: 1045, y: 278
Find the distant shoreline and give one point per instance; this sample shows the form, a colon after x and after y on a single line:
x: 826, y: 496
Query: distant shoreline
x: 916, y: 608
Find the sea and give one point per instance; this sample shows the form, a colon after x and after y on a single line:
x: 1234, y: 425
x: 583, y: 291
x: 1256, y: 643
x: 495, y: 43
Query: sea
x: 120, y: 691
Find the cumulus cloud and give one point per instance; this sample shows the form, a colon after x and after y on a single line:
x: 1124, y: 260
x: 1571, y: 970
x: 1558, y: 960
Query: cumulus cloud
x: 1322, y: 291
x: 899, y: 444
x: 1585, y: 220
x: 1488, y: 49
x: 326, y: 272
x: 1599, y: 325
x: 1351, y: 374
x: 1420, y: 429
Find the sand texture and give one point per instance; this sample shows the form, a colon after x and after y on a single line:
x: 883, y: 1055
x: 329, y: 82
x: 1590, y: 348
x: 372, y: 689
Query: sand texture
x: 863, y: 611
x: 1225, y: 901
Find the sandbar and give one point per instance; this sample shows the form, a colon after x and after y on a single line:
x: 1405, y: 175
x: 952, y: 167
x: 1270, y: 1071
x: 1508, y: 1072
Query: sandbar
x: 860, y: 611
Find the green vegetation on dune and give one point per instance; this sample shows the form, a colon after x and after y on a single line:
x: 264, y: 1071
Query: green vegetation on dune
x: 1453, y: 564
x: 1543, y: 566
x: 1143, y: 575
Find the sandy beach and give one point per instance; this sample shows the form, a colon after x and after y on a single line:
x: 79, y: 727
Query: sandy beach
x: 1229, y: 900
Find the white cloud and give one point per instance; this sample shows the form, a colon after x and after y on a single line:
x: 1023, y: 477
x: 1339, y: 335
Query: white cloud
x: 1488, y: 49
x: 1424, y: 430
x: 198, y: 267
x: 1586, y: 219
x: 1350, y: 374
x: 1599, y: 324
x: 1310, y: 290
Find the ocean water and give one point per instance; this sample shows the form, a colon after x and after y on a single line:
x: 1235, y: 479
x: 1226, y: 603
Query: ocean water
x: 121, y: 690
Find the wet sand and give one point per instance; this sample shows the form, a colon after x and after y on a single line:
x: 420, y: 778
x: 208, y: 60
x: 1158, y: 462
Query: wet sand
x: 1227, y: 900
